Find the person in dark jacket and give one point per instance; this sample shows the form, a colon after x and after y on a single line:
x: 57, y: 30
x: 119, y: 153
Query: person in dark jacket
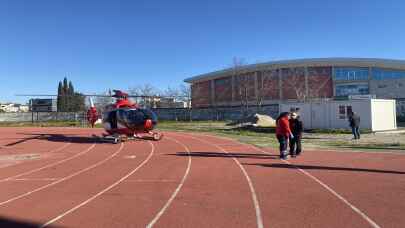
x: 297, y: 128
x: 283, y: 133
x: 354, y: 121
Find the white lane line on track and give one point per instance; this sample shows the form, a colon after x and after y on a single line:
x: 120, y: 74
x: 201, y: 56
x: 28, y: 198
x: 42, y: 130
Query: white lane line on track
x: 50, y: 165
x: 103, y: 191
x: 358, y: 211
x: 35, y: 179
x: 259, y: 219
x: 51, y: 151
x: 344, y: 200
x: 153, y: 181
x: 60, y: 148
x: 164, y: 208
x: 62, y: 179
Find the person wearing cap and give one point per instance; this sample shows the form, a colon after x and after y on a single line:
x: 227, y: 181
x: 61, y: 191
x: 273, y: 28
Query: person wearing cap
x: 283, y: 133
x: 297, y: 128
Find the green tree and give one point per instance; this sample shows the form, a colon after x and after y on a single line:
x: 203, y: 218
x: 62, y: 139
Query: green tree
x: 78, y: 102
x: 72, y: 99
x: 60, y: 97
x: 65, y: 96
x: 68, y: 99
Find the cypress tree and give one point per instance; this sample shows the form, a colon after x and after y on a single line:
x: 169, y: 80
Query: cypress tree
x: 60, y: 97
x: 68, y: 99
x: 71, y: 89
x: 71, y: 104
x: 65, y: 97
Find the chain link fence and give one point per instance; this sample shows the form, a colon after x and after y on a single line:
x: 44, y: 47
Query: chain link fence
x: 176, y: 114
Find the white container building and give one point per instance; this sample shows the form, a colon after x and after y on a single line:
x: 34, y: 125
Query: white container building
x: 375, y: 114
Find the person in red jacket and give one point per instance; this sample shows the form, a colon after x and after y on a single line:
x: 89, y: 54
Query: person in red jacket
x: 92, y: 116
x: 283, y: 133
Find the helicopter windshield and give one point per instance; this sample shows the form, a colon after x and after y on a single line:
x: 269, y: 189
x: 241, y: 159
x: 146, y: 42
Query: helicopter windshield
x: 135, y: 117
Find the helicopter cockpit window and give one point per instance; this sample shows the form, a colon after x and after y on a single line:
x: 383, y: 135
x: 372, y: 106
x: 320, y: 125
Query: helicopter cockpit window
x: 131, y: 116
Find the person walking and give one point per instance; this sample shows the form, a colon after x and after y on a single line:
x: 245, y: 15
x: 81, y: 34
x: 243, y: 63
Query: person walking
x: 297, y: 128
x: 283, y: 133
x: 354, y: 121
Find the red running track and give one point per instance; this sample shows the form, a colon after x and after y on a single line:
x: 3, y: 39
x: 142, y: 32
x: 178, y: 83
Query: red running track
x: 191, y: 180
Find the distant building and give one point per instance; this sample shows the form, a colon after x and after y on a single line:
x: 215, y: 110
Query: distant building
x: 301, y: 80
x: 11, y: 107
x: 23, y: 108
x: 43, y: 105
x: 171, y: 103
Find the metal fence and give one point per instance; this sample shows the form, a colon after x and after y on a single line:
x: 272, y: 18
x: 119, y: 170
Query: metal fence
x: 178, y: 114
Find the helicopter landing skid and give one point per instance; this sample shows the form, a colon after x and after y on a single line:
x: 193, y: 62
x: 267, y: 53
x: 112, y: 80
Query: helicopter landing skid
x: 110, y: 138
x: 123, y: 138
x: 156, y: 136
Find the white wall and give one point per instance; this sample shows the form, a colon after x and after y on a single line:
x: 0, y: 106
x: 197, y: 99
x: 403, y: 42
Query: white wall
x: 375, y: 114
x: 361, y: 107
x: 383, y: 115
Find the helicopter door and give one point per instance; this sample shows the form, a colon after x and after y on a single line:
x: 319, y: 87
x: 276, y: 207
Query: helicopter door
x: 112, y: 118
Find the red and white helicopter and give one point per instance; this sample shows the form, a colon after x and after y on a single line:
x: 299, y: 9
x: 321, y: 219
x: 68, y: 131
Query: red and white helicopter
x: 122, y: 120
x: 125, y: 120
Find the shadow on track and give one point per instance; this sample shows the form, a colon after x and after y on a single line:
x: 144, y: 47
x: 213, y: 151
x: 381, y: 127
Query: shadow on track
x: 66, y: 138
x: 12, y: 223
x: 310, y: 167
x: 226, y: 155
x: 23, y: 140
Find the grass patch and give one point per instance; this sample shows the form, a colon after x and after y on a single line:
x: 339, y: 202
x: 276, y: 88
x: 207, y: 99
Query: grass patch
x: 262, y: 137
x: 365, y: 146
x: 337, y: 131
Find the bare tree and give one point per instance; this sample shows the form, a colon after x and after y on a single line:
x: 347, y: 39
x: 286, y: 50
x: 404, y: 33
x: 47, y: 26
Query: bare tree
x: 147, y: 90
x: 260, y: 92
x: 242, y: 84
x: 303, y: 91
x: 101, y: 103
x: 296, y: 81
x: 315, y: 92
x: 185, y: 93
x: 172, y: 92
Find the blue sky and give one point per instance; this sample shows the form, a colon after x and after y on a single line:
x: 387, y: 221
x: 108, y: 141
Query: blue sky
x: 120, y: 44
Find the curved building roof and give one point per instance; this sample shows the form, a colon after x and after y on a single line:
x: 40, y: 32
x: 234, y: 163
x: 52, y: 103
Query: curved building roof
x: 315, y: 62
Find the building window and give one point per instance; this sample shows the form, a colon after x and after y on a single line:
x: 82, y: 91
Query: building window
x: 382, y: 74
x: 344, y: 111
x: 350, y: 74
x: 356, y: 89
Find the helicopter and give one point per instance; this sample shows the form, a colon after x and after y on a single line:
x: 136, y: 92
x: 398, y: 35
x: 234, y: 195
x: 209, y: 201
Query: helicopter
x: 123, y: 120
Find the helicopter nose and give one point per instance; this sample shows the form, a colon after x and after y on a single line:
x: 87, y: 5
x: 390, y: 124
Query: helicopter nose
x: 148, y: 124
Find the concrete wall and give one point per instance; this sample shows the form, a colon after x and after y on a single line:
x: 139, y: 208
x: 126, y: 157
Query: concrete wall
x: 388, y: 88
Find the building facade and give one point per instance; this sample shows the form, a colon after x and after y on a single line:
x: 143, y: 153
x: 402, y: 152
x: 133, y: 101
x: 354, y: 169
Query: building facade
x: 10, y: 107
x: 300, y: 80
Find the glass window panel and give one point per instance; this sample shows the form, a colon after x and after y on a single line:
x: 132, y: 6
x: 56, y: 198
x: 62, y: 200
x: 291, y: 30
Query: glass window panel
x: 382, y: 74
x: 345, y: 74
x: 346, y: 90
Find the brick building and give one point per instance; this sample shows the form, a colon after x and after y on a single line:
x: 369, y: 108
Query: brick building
x: 301, y: 79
